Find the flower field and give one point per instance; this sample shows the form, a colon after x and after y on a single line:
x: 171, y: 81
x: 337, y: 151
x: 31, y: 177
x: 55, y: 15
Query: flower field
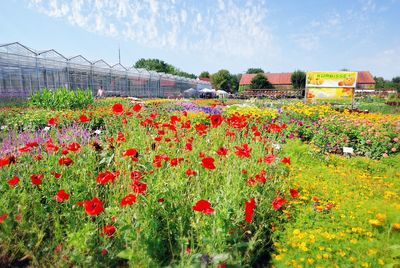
x: 199, y: 183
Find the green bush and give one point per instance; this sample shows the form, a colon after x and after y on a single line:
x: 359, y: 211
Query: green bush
x: 62, y: 98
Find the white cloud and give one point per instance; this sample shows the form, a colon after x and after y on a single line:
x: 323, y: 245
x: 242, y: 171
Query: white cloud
x: 227, y: 27
x: 384, y: 63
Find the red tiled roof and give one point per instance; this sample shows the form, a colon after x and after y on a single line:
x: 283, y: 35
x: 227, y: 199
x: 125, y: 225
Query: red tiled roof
x: 204, y: 79
x: 273, y: 78
x: 365, y: 77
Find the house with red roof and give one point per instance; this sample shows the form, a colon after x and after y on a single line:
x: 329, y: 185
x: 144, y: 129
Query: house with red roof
x: 283, y: 80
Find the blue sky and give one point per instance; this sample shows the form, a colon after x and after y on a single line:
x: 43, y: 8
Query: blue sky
x: 210, y: 35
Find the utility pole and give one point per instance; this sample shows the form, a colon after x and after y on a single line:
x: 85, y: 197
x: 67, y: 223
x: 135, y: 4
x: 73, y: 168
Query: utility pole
x: 119, y: 54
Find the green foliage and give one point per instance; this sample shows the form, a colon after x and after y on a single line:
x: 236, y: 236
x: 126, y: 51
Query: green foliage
x: 298, y: 79
x: 254, y: 71
x: 223, y: 80
x: 61, y: 98
x: 382, y: 83
x: 161, y: 66
x: 260, y: 81
x: 204, y: 74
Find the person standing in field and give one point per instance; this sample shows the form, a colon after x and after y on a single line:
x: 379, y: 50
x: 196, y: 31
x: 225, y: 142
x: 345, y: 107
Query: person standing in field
x: 100, y: 93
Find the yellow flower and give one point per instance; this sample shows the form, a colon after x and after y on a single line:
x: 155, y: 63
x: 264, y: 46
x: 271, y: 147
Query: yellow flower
x: 296, y: 231
x: 375, y: 223
x: 380, y: 217
x: 396, y: 226
x: 372, y: 251
x: 364, y: 264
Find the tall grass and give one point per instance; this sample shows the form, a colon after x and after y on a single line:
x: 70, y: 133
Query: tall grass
x: 62, y: 98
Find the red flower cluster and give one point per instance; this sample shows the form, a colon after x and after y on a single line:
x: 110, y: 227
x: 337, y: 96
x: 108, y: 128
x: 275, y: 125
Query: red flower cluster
x: 13, y: 181
x: 92, y: 207
x: 128, y: 200
x: 65, y: 161
x: 243, y: 151
x: 61, y: 196
x: 106, y: 176
x: 118, y: 108
x: 208, y: 162
x: 203, y: 206
x: 109, y: 230
x: 37, y: 179
x: 249, y: 210
x: 216, y: 120
x: 278, y: 202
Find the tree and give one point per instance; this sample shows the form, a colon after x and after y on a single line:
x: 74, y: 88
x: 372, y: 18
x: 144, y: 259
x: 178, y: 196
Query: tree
x: 204, y: 74
x: 260, y: 82
x: 379, y: 82
x: 396, y: 79
x: 298, y: 79
x: 223, y: 80
x: 161, y: 66
x: 254, y: 71
x: 344, y: 70
x: 154, y: 65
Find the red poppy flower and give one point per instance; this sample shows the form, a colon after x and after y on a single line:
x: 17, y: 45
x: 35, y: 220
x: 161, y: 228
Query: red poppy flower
x: 249, y: 210
x: 61, y: 196
x: 243, y: 151
x: 13, y: 181
x: 58, y: 248
x: 37, y: 179
x: 49, y: 146
x: 222, y: 151
x: 64, y: 152
x: 294, y: 193
x: 160, y: 200
x: 190, y: 172
x: 92, y: 207
x: 274, y: 128
x: 216, y: 120
x: 117, y: 108
x: 121, y: 137
x: 106, y: 176
x: 83, y: 119
x: 128, y: 200
x: 38, y: 157
x: 278, y: 202
x: 74, y: 147
x: 32, y: 144
x: 3, y: 217
x: 208, y: 162
x: 24, y: 149
x: 189, y: 146
x: 4, y: 162
x: 131, y: 152
x: 109, y: 230
x: 137, y: 107
x: 65, y: 161
x: 203, y: 206
x: 269, y: 159
x: 52, y: 121
x: 176, y: 161
x: 286, y: 160
x: 104, y: 251
x: 136, y: 175
x: 139, y: 187
x: 56, y: 175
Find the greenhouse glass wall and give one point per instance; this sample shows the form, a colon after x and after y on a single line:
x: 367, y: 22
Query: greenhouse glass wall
x: 24, y: 71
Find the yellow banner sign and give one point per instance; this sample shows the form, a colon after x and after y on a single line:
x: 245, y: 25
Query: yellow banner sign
x: 332, y: 93
x: 331, y: 79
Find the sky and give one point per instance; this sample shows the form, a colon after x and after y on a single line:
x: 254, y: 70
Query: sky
x: 208, y: 35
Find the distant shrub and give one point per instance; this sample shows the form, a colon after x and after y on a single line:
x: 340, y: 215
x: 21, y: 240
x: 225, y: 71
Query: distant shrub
x: 62, y: 98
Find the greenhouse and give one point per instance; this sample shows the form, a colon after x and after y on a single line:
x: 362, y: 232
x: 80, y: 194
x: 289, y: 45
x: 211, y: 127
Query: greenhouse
x: 24, y: 70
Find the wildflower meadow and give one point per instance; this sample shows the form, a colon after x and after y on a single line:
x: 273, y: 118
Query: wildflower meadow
x: 198, y: 183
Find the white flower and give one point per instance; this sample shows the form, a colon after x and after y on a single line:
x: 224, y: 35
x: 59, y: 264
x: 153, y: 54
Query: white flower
x: 46, y: 129
x: 97, y: 131
x: 3, y: 127
x: 276, y: 146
